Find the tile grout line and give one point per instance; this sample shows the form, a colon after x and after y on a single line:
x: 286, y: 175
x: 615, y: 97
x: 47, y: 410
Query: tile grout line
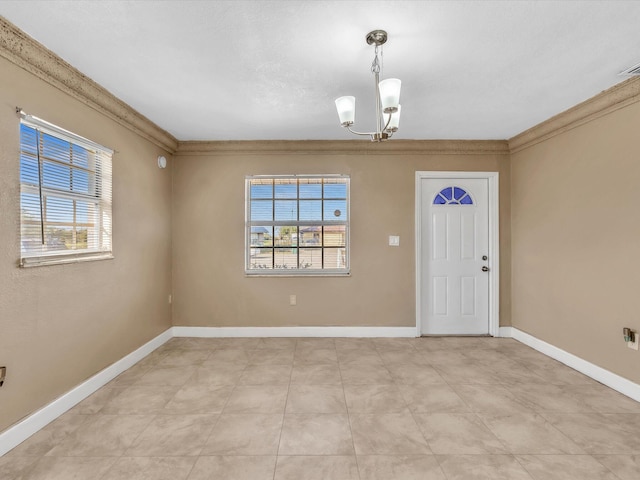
x: 284, y: 411
x: 221, y: 410
x: 346, y: 406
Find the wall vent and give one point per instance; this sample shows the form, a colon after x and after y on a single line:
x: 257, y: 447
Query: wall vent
x: 630, y: 72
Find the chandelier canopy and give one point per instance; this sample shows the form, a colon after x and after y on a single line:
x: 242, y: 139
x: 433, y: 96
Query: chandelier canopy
x: 387, y: 98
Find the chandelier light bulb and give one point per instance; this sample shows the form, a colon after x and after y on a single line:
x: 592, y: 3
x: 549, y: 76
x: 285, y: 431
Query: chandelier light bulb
x: 346, y: 107
x: 390, y: 94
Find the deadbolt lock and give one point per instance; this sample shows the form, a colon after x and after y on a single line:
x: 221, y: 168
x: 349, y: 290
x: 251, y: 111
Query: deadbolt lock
x: 484, y: 257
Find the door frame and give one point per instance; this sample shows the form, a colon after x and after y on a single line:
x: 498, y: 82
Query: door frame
x: 494, y: 242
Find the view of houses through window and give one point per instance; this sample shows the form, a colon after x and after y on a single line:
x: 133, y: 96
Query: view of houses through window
x: 297, y: 224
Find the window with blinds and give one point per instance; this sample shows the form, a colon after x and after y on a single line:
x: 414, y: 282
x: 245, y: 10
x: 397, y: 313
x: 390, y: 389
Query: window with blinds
x: 65, y: 195
x: 297, y: 225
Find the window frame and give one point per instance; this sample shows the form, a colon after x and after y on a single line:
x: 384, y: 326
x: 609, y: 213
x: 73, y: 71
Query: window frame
x: 99, y: 193
x: 297, y: 272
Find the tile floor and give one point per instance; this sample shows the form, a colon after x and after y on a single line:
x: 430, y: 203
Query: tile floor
x: 340, y: 409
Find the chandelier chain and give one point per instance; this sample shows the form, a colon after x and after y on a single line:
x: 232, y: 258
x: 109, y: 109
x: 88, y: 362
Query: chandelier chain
x: 377, y: 64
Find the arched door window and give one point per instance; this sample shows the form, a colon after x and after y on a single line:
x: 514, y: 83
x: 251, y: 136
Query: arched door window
x: 452, y: 196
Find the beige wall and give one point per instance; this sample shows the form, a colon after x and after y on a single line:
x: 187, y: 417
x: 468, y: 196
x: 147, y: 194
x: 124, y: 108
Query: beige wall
x: 61, y: 324
x: 210, y: 287
x: 568, y: 235
x: 576, y: 239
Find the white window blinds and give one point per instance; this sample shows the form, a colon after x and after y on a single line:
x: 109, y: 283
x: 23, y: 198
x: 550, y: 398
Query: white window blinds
x: 65, y: 195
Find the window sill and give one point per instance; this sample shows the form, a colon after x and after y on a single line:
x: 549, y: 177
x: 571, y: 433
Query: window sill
x: 28, y: 262
x: 297, y: 275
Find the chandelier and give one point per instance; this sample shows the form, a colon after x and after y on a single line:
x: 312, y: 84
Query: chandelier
x: 387, y: 98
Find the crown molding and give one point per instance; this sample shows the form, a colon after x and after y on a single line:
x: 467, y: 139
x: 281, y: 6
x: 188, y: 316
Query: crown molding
x: 339, y: 147
x: 25, y: 52
x: 606, y: 102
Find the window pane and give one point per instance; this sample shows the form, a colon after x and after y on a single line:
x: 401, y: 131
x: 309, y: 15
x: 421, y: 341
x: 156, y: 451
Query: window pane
x: 30, y: 207
x: 261, y: 236
x: 311, y: 210
x: 81, y: 237
x: 335, y: 210
x: 28, y: 140
x: 82, y: 211
x: 55, y: 148
x: 335, y: 188
x: 285, y: 258
x: 286, y: 236
x: 286, y: 188
x: 297, y: 223
x: 458, y: 193
x: 80, y: 156
x: 310, y: 188
x: 447, y: 193
x: 31, y: 237
x: 80, y: 180
x: 55, y: 175
x: 59, y: 237
x: 28, y: 169
x: 311, y: 236
x: 31, y: 233
x: 58, y: 210
x: 335, y: 235
x: 466, y: 200
x: 439, y: 200
x: 72, y: 220
x: 335, y: 258
x: 286, y: 210
x: 261, y: 189
x: 260, y: 259
x: 261, y: 210
x: 311, y: 258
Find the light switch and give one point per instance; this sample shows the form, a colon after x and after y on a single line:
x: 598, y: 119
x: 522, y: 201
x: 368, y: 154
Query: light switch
x: 394, y: 240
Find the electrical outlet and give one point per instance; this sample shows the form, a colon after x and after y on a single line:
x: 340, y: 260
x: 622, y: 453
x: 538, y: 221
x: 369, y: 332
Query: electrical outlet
x: 3, y: 373
x: 634, y: 344
x: 293, y: 300
x: 170, y: 299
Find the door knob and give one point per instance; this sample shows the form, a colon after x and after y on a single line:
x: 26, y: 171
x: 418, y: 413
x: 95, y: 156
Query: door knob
x: 485, y: 269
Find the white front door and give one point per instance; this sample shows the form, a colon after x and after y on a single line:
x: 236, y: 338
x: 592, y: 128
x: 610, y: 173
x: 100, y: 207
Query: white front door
x: 454, y: 255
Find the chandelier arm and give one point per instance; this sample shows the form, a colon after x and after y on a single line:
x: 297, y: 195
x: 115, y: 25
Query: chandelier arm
x: 388, y: 122
x: 359, y: 133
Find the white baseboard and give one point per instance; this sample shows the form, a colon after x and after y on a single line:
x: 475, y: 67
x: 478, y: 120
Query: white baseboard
x: 610, y: 379
x: 504, y: 332
x: 18, y: 433
x: 224, y: 332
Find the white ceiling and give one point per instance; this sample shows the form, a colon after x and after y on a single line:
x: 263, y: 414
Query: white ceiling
x: 257, y: 69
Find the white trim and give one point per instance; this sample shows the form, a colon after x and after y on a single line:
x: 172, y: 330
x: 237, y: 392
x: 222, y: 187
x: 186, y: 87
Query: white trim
x: 505, y: 332
x: 610, y: 379
x: 28, y: 262
x: 494, y: 242
x: 18, y: 433
x: 362, y: 332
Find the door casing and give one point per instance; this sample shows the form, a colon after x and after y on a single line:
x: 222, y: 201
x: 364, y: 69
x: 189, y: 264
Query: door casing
x: 494, y: 243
